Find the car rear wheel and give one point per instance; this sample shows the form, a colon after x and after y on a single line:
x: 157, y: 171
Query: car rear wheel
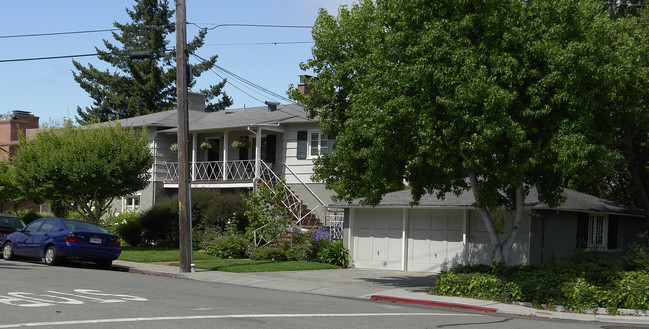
x: 50, y: 256
x: 8, y: 251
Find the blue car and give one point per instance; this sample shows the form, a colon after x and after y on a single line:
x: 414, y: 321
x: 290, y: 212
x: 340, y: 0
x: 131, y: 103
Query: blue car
x: 54, y: 240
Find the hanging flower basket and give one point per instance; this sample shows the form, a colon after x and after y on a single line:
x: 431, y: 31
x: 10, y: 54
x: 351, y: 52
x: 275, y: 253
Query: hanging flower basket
x: 174, y: 147
x: 206, y: 145
x: 241, y: 142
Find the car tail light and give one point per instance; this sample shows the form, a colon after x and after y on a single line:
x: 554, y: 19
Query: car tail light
x: 70, y: 238
x: 118, y: 243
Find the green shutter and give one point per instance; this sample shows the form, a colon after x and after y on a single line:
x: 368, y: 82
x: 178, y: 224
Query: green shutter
x: 302, y: 137
x: 582, y: 230
x: 612, y: 232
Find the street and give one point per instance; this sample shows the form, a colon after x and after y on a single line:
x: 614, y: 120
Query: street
x: 82, y: 296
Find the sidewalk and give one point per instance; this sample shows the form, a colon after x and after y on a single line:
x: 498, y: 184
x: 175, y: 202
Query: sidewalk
x: 395, y: 286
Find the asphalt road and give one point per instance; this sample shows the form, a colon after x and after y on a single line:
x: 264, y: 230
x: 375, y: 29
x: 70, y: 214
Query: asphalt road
x: 82, y: 296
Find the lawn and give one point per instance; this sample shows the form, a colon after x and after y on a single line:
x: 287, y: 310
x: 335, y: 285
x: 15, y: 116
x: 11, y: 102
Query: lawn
x: 204, y: 261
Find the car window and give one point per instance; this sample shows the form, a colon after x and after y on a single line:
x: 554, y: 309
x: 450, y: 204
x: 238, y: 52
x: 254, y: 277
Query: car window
x: 11, y: 222
x: 76, y: 225
x: 33, y: 227
x: 49, y: 226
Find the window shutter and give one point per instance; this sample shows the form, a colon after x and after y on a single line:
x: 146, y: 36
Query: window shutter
x: 582, y: 230
x: 331, y: 144
x: 612, y: 232
x: 302, y: 137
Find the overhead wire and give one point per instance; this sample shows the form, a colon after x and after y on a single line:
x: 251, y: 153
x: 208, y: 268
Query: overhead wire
x: 247, y: 82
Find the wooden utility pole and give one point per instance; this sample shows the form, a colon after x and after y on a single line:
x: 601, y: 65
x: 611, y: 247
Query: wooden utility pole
x: 184, y: 196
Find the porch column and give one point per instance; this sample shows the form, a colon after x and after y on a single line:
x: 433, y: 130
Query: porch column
x: 226, y: 143
x: 194, y: 155
x: 258, y: 154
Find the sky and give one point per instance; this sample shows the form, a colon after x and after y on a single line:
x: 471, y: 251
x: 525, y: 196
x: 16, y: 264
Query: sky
x: 268, y: 57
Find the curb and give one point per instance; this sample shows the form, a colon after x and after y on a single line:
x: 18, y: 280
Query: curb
x: 434, y: 303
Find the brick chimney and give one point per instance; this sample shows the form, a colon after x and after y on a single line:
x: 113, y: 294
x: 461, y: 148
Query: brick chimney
x: 18, y: 120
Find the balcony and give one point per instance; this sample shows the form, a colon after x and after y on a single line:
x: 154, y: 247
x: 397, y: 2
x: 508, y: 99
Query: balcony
x: 237, y: 173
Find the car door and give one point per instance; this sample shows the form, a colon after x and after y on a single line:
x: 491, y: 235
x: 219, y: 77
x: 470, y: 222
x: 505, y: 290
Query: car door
x: 24, y: 241
x: 42, y: 236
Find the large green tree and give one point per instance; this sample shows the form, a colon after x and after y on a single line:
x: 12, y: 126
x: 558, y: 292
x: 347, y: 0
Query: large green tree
x: 85, y: 166
x: 8, y: 187
x: 495, y: 96
x: 137, y: 86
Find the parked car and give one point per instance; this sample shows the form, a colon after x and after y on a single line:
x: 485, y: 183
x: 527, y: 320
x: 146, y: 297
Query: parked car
x: 54, y: 240
x: 9, y: 224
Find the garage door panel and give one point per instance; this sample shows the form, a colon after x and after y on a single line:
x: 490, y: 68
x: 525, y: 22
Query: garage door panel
x: 438, y: 246
x: 382, y: 248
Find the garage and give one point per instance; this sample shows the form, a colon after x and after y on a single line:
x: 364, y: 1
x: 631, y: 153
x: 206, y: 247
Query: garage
x: 378, y: 239
x: 435, y: 239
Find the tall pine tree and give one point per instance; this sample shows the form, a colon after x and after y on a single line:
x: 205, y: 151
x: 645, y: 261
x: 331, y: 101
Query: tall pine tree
x: 141, y: 86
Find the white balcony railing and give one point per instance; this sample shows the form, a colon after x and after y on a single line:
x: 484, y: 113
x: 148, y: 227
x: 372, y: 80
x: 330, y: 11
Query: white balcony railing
x: 236, y: 170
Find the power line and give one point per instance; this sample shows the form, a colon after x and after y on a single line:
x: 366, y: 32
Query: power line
x: 214, y: 26
x: 247, y: 82
x: 44, y: 58
x: 55, y: 33
x: 259, y: 43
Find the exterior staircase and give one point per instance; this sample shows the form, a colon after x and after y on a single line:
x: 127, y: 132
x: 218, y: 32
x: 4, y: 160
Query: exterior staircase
x: 303, y: 219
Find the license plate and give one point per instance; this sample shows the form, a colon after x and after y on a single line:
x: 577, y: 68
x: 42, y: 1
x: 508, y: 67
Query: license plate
x: 95, y: 240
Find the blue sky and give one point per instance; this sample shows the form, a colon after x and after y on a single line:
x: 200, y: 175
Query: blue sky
x: 47, y: 89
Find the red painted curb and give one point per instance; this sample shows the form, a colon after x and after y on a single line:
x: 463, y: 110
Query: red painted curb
x: 434, y: 303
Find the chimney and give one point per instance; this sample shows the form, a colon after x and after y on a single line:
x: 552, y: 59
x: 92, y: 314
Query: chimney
x: 196, y: 101
x: 272, y: 106
x: 302, y: 87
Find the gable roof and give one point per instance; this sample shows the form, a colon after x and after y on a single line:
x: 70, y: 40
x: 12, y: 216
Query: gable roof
x: 575, y: 201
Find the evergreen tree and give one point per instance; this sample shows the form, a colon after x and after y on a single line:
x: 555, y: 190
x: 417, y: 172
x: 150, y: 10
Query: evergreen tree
x: 137, y: 86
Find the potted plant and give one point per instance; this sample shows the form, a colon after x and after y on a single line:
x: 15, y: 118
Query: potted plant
x: 241, y: 142
x: 206, y: 145
x: 174, y: 147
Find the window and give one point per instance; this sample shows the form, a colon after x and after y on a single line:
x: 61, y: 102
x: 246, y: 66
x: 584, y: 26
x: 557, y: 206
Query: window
x: 319, y: 144
x: 131, y: 203
x: 597, y: 231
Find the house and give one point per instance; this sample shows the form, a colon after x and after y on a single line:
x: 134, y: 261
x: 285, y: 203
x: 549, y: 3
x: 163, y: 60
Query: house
x: 237, y: 149
x: 440, y: 233
x: 9, y: 128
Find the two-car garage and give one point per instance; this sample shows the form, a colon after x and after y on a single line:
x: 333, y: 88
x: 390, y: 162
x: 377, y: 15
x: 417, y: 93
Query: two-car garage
x: 425, y: 240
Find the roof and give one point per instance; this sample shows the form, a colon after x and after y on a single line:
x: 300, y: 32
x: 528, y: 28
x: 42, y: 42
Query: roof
x: 225, y: 119
x: 575, y: 201
x: 241, y: 118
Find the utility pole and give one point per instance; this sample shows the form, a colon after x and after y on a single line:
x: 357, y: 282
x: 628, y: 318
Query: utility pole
x: 184, y: 202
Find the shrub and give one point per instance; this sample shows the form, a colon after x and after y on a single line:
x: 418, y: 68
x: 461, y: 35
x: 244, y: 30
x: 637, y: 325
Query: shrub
x: 476, y: 285
x: 632, y: 290
x: 334, y: 253
x: 127, y: 226
x: 267, y: 253
x: 28, y: 216
x: 231, y: 247
x: 580, y: 295
x: 160, y: 224
x: 203, y: 235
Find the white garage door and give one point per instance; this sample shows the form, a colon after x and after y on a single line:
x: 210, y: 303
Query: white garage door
x: 434, y: 240
x: 378, y: 238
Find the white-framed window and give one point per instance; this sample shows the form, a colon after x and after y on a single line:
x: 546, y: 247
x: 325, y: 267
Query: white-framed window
x: 319, y: 144
x: 131, y: 203
x: 597, y: 231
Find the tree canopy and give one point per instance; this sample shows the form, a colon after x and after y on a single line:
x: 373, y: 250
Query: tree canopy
x: 137, y: 86
x: 84, y: 166
x: 493, y: 96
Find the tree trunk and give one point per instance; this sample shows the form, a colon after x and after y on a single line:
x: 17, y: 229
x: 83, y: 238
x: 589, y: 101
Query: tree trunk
x: 518, y: 220
x: 494, y: 238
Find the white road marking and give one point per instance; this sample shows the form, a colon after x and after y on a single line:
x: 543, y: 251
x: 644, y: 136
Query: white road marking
x: 225, y: 316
